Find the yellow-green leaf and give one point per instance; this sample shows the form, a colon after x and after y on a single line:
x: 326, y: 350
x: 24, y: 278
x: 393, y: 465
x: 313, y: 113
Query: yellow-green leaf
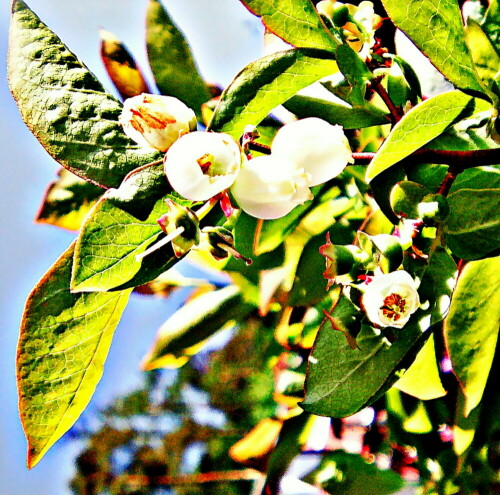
x: 63, y: 345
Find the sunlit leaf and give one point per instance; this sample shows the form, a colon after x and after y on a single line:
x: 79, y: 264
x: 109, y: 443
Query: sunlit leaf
x: 171, y: 59
x: 64, y: 342
x: 65, y: 106
x: 471, y: 328
x: 266, y: 83
x: 422, y: 380
x: 419, y: 126
x: 110, y: 240
x: 297, y: 22
x: 438, y: 32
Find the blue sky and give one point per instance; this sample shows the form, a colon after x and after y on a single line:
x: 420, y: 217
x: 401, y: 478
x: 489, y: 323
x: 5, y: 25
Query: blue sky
x: 224, y: 37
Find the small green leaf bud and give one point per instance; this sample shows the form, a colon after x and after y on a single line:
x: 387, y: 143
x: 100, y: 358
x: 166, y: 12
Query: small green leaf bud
x: 339, y: 260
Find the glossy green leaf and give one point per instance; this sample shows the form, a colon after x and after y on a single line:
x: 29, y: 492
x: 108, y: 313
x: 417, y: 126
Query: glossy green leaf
x: 437, y: 30
x: 171, y: 59
x: 342, y: 473
x: 194, y: 322
x: 64, y: 342
x: 297, y: 22
x: 421, y: 379
x: 65, y: 106
x: 346, y: 115
x: 473, y: 228
x: 110, y: 240
x: 341, y: 381
x: 486, y: 59
x: 266, y: 83
x: 471, y: 328
x: 419, y: 126
x: 67, y: 201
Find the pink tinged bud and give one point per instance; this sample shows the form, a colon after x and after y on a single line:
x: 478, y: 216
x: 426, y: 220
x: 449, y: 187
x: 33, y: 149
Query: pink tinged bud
x: 316, y: 146
x: 269, y: 187
x: 156, y: 121
x: 200, y: 165
x: 390, y: 299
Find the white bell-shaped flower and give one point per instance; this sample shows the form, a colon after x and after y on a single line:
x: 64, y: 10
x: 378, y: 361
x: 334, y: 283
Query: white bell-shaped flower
x: 390, y: 299
x: 156, y: 121
x: 202, y: 164
x: 270, y: 186
x: 319, y: 148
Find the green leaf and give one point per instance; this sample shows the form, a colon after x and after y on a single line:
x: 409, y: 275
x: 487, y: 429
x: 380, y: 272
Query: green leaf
x: 266, y: 83
x: 405, y: 197
x: 471, y: 327
x: 110, y: 240
x: 172, y: 61
x: 65, y: 106
x: 419, y: 126
x: 422, y: 379
x: 244, y: 232
x: 194, y: 322
x: 438, y: 32
x: 297, y: 22
x: 342, y: 473
x: 63, y: 345
x: 341, y: 381
x: 473, y: 228
x: 344, y: 114
x: 491, y: 24
x: 140, y: 191
x: 486, y: 59
x: 67, y: 201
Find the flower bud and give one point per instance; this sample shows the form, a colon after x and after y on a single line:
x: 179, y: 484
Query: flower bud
x: 270, y: 186
x: 156, y: 121
x: 202, y: 164
x: 390, y: 299
x: 314, y: 145
x: 180, y: 216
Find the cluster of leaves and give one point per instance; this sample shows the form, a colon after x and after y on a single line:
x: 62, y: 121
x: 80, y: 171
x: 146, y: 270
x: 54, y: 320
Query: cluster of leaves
x: 434, y: 175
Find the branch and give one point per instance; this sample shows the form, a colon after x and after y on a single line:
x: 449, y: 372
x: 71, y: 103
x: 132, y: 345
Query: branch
x: 456, y: 159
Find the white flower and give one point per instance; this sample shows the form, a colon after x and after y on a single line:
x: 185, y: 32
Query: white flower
x: 156, y: 121
x: 314, y: 145
x: 270, y: 187
x: 390, y: 299
x: 326, y: 7
x: 202, y: 164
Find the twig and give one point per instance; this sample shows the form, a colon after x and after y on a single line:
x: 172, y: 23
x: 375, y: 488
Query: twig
x: 458, y: 159
x: 396, y: 113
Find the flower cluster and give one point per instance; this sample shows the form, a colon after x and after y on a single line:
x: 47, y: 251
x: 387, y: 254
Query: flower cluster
x: 201, y: 165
